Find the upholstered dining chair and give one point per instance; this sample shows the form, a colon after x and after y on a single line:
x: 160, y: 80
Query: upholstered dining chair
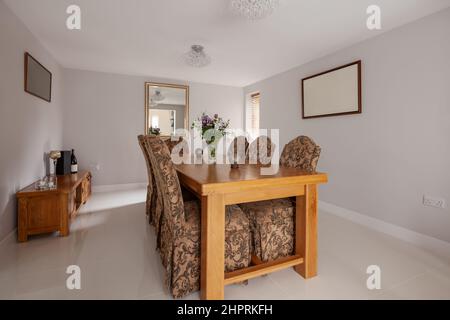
x: 172, y: 142
x: 179, y: 239
x: 179, y: 147
x: 153, y: 203
x: 272, y: 222
x: 260, y: 151
x: 301, y: 153
x: 237, y: 151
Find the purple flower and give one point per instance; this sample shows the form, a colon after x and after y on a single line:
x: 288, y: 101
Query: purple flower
x: 207, y: 122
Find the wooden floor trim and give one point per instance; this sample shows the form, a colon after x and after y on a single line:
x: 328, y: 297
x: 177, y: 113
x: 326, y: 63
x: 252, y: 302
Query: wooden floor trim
x: 262, y: 269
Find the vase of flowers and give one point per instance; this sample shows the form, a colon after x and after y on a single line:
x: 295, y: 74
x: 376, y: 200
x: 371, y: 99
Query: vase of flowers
x: 211, y: 129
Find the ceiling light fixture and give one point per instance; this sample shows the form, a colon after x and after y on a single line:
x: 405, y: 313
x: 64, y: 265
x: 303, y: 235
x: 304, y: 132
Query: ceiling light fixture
x: 158, y: 96
x: 254, y: 9
x: 197, y: 57
x: 155, y: 98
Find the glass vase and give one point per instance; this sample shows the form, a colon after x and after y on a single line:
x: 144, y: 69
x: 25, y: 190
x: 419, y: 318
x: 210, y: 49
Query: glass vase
x: 212, y: 159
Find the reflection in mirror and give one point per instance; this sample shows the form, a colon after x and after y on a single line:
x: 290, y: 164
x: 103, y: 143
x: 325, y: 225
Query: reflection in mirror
x: 164, y: 120
x: 166, y: 108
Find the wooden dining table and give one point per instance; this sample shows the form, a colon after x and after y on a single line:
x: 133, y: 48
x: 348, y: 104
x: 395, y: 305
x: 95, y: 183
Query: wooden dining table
x: 219, y: 185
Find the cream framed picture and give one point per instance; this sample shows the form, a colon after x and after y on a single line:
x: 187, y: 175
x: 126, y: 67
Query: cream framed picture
x: 335, y: 92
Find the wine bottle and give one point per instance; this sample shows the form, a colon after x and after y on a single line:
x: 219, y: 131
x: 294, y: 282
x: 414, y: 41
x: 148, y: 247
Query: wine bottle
x: 73, y: 163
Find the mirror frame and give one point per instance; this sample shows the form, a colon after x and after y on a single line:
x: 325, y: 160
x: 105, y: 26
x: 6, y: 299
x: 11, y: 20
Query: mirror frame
x: 165, y: 85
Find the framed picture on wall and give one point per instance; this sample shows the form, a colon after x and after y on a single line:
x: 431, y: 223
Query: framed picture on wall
x: 38, y: 79
x: 335, y: 92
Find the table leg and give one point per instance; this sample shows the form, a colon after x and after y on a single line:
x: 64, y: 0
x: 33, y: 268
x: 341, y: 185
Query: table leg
x: 213, y: 247
x: 64, y: 215
x: 306, y: 232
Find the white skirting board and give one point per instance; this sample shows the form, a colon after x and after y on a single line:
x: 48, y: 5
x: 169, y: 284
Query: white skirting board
x: 440, y: 247
x: 119, y: 187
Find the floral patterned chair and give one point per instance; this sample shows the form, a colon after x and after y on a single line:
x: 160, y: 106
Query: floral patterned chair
x: 272, y: 222
x: 301, y: 153
x: 179, y: 239
x: 180, y: 148
x: 153, y: 203
x: 254, y: 154
x: 173, y: 142
x: 235, y: 154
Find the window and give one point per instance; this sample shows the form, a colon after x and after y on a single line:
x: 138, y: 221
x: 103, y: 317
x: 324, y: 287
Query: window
x: 155, y: 122
x: 252, y: 113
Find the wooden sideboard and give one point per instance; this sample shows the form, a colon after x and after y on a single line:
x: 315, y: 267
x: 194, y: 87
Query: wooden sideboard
x: 52, y: 210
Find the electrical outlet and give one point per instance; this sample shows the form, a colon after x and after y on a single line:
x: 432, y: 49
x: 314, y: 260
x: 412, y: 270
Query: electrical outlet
x: 434, y: 202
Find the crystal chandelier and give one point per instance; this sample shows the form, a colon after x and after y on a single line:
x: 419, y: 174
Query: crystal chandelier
x: 197, y: 57
x: 254, y: 9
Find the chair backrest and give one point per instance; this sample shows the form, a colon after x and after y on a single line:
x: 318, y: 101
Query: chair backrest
x: 237, y: 151
x: 261, y: 151
x: 143, y: 146
x: 174, y: 142
x: 301, y: 153
x: 167, y: 181
x: 153, y: 203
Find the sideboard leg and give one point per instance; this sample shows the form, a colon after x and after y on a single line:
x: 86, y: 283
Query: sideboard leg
x: 22, y: 232
x: 22, y: 237
x: 64, y: 212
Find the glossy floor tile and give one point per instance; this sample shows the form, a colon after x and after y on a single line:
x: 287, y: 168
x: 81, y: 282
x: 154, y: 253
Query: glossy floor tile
x: 114, y: 247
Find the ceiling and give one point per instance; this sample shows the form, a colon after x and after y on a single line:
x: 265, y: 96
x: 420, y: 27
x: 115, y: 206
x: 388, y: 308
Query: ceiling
x: 149, y: 37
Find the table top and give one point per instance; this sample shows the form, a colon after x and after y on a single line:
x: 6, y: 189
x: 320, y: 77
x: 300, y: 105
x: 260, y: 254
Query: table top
x: 65, y: 184
x: 206, y: 179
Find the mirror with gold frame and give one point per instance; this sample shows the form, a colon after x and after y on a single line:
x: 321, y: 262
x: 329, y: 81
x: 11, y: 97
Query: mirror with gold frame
x: 166, y: 108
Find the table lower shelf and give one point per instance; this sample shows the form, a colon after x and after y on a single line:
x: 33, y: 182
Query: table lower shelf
x: 262, y: 269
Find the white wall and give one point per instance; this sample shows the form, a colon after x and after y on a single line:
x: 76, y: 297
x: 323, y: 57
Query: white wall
x: 382, y: 162
x: 104, y: 114
x: 29, y: 126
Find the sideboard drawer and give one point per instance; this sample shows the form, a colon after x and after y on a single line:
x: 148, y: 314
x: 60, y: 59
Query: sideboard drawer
x: 43, y: 213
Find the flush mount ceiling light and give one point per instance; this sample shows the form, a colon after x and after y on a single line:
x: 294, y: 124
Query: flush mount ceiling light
x: 157, y: 97
x: 197, y: 57
x: 254, y: 9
